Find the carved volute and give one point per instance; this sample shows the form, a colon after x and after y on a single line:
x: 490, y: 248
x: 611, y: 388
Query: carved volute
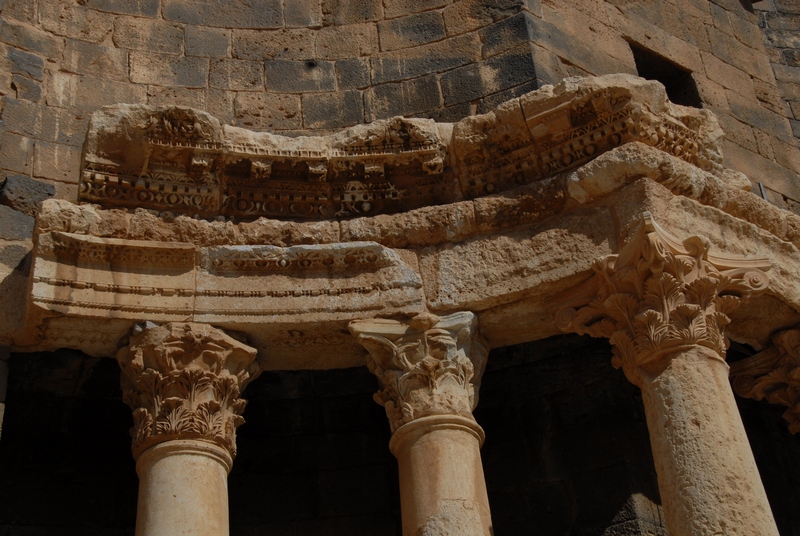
x: 428, y: 365
x: 773, y: 375
x: 660, y: 296
x: 183, y: 381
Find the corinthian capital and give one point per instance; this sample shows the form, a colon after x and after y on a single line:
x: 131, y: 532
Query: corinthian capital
x: 428, y: 365
x: 183, y: 381
x: 773, y: 375
x: 660, y: 296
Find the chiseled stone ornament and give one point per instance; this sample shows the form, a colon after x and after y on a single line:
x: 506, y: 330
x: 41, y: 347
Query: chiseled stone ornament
x: 773, y: 375
x: 426, y: 366
x: 660, y: 296
x: 183, y: 381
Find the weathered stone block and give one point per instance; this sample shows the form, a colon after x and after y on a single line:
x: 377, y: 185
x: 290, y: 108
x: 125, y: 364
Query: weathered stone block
x: 25, y: 194
x: 295, y: 44
x: 30, y: 39
x: 25, y: 63
x: 96, y: 60
x: 341, y: 12
x: 15, y: 225
x: 352, y: 73
x: 75, y: 21
x: 12, y: 255
x: 300, y: 76
x: 398, y: 8
x: 464, y: 84
x: 490, y: 102
x: 266, y: 111
x: 351, y: 41
x: 164, y: 70
x: 410, y: 97
x: 57, y: 162
x: 469, y: 15
x: 584, y: 54
x: 505, y: 34
x: 26, y: 88
x: 412, y: 30
x: 21, y: 116
x: 219, y: 103
x: 498, y: 73
x: 207, y: 42
x: 59, y: 125
x: 236, y: 74
x: 302, y: 14
x: 333, y: 110
x: 426, y: 59
x: 219, y: 13
x: 148, y: 35
x: 727, y: 75
x: 16, y: 152
x: 180, y: 96
x: 147, y: 8
x: 752, y: 113
x: 731, y: 51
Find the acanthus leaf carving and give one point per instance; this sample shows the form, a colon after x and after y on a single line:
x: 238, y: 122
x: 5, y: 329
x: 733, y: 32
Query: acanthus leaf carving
x: 660, y: 296
x: 773, y: 375
x: 429, y: 365
x: 183, y: 381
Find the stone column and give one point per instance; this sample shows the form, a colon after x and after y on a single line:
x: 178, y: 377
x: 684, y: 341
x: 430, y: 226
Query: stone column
x: 664, y: 306
x: 773, y: 375
x: 429, y: 369
x: 183, y: 381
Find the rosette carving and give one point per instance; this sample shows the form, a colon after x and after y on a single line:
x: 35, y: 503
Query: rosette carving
x: 428, y: 365
x: 773, y: 375
x: 660, y: 296
x: 183, y: 381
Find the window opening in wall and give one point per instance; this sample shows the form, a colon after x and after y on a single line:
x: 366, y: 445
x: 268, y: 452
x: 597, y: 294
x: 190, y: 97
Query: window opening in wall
x: 681, y: 88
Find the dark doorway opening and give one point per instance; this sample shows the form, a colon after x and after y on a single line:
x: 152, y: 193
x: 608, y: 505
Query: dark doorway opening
x: 680, y: 86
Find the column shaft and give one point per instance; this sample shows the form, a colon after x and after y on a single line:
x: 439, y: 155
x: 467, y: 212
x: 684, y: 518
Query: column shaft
x: 442, y: 487
x: 707, y: 476
x: 429, y: 369
x: 183, y: 489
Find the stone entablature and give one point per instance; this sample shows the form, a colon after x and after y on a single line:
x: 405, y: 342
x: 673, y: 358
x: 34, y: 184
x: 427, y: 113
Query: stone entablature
x: 294, y: 286
x: 182, y: 161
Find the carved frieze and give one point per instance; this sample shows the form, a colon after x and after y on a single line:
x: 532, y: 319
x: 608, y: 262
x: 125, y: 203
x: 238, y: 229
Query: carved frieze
x: 184, y: 381
x: 773, y: 375
x: 660, y: 296
x: 428, y: 365
x: 180, y: 160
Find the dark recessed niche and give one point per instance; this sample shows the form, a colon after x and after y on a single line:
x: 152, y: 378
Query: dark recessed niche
x: 681, y: 88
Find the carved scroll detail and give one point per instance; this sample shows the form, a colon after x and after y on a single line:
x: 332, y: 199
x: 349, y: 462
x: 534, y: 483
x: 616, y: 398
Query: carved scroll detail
x: 773, y: 375
x: 660, y: 296
x: 429, y: 365
x: 183, y: 381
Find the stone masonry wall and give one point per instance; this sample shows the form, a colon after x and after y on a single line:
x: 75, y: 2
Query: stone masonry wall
x: 780, y: 23
x: 317, y: 65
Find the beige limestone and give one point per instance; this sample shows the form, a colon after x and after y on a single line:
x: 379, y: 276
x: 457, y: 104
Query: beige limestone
x: 183, y: 489
x: 501, y: 255
x: 429, y: 369
x: 664, y: 305
x: 183, y: 382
